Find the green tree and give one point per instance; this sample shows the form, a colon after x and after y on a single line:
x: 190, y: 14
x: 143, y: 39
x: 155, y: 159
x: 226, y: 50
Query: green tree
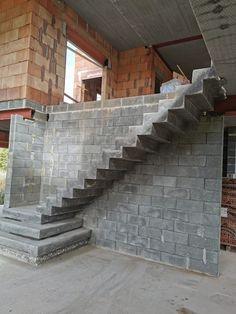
x: 3, y: 158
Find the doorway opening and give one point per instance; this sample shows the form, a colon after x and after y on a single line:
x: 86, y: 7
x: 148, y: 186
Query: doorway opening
x: 83, y: 77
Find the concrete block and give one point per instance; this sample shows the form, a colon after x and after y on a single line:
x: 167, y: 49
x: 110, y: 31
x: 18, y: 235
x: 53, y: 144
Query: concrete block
x: 150, y: 211
x: 175, y: 237
x: 209, y: 268
x: 172, y: 259
x: 213, y: 184
x: 148, y: 232
x: 138, y: 220
x: 188, y: 228
x: 126, y: 228
x: 177, y: 193
x: 164, y: 181
x: 163, y: 202
x: 161, y: 224
x: 175, y: 214
x: 162, y: 247
x: 189, y: 205
x: 126, y: 248
x: 190, y: 183
x: 204, y: 243
x: 137, y: 241
x: 149, y: 254
x: 184, y: 250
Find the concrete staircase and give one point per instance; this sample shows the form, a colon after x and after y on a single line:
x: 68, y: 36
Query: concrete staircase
x: 34, y: 234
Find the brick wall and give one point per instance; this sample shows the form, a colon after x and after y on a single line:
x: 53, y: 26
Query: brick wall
x: 15, y: 20
x: 136, y: 73
x: 33, y: 47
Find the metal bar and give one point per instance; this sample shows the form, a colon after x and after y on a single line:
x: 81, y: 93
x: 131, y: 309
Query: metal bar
x: 25, y: 112
x: 74, y: 100
x: 227, y: 105
x: 4, y: 139
x: 178, y: 41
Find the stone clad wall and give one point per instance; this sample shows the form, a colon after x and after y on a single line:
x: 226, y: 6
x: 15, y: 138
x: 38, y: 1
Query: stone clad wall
x: 168, y: 209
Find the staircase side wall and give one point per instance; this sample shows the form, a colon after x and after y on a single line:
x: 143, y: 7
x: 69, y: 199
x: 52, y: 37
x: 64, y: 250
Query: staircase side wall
x: 168, y: 208
x: 23, y: 181
x: 78, y: 142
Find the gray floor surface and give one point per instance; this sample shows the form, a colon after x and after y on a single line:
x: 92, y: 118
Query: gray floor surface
x: 97, y: 281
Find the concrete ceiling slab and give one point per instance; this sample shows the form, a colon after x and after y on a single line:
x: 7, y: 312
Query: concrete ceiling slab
x: 217, y: 21
x: 189, y: 56
x: 128, y: 24
x: 135, y: 23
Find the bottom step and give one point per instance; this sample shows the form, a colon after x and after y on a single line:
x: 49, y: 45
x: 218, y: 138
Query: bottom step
x: 38, y: 251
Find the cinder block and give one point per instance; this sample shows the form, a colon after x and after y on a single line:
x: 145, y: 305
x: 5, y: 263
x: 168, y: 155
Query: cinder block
x: 148, y: 232
x: 172, y: 259
x: 204, y: 243
x: 149, y: 254
x: 175, y: 237
x: 162, y: 247
x: 150, y: 211
x: 161, y: 224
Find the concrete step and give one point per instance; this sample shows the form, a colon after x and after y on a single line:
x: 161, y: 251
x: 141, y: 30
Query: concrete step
x: 98, y: 183
x: 38, y: 231
x: 30, y: 214
x: 200, y: 101
x: 134, y: 153
x: 38, y: 251
x: 76, y: 201
x: 122, y: 163
x: 188, y: 112
x: 109, y: 174
x: 148, y: 143
x: 88, y: 192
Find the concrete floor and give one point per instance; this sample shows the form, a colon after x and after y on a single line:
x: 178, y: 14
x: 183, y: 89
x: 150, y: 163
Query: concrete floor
x: 97, y: 281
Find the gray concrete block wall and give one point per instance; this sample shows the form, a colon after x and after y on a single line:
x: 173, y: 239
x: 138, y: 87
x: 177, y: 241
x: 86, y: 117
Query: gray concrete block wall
x: 78, y: 142
x: 23, y: 180
x: 168, y: 208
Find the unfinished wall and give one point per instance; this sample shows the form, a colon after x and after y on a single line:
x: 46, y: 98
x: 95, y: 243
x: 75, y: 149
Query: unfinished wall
x: 85, y: 70
x: 136, y: 72
x: 33, y: 47
x: 168, y: 209
x: 24, y: 162
x: 15, y: 19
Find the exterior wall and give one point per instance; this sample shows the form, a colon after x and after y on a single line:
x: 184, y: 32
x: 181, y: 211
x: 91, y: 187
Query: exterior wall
x: 24, y: 162
x: 33, y: 47
x: 168, y: 209
x: 15, y: 19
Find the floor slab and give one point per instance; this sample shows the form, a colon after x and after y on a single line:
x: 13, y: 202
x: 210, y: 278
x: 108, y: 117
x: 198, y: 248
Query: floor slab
x: 97, y: 281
